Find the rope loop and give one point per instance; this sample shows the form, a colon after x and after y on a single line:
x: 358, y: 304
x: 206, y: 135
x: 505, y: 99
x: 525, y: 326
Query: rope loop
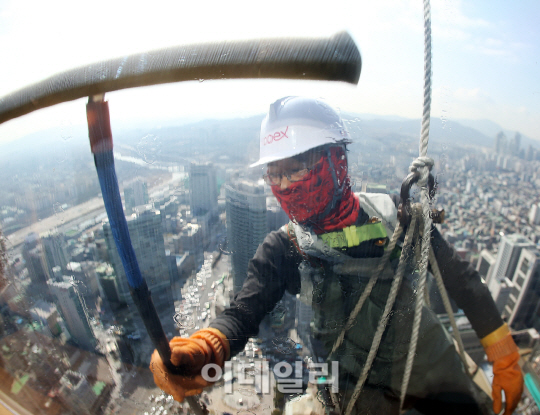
x: 421, y: 162
x: 423, y: 166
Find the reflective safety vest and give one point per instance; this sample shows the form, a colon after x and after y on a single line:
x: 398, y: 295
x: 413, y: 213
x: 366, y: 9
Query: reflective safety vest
x: 331, y: 284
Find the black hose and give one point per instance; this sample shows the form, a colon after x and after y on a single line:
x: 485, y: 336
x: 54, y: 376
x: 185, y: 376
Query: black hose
x: 333, y: 59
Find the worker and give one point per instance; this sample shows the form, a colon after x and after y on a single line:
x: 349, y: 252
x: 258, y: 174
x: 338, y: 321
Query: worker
x: 326, y: 254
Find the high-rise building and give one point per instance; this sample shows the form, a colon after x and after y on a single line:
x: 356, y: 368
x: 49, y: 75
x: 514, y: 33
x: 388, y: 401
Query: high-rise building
x: 146, y: 235
x: 246, y: 225
x: 275, y: 217
x: 203, y: 192
x: 523, y: 306
x: 47, y: 315
x: 515, y: 145
x: 108, y: 282
x: 500, y: 143
x: 77, y: 392
x: 33, y: 255
x: 71, y: 308
x: 534, y: 214
x: 54, y: 248
x: 501, y: 293
x: 190, y: 239
x: 485, y: 265
x: 507, y: 258
x: 135, y: 194
x: 34, y: 260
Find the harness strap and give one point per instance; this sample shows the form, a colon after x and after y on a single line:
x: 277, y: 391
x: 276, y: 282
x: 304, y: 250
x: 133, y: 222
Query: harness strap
x: 292, y: 237
x: 355, y: 235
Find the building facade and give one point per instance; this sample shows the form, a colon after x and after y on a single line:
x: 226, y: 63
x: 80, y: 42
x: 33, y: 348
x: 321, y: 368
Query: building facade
x: 246, y: 225
x: 203, y: 192
x: 523, y: 306
x: 135, y: 194
x: 146, y: 234
x: 73, y: 313
x: 507, y: 258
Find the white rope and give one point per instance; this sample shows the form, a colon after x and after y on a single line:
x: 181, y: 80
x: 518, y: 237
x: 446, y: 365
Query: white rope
x: 422, y: 165
x: 385, y: 316
x: 365, y: 294
x: 425, y: 198
x: 447, y: 306
x: 367, y: 291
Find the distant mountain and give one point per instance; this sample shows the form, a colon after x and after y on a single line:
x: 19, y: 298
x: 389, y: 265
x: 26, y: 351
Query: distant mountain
x: 491, y: 129
x: 440, y: 131
x: 487, y: 127
x: 237, y: 138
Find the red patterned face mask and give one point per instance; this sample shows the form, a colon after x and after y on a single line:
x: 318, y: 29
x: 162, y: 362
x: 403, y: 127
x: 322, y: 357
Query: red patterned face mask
x: 322, y: 201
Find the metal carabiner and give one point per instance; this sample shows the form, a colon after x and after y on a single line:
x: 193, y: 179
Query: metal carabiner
x: 404, y: 209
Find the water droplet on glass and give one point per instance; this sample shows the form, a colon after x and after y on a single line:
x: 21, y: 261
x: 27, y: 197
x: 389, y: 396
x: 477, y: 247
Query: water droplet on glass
x: 149, y: 148
x: 246, y: 391
x: 184, y: 321
x: 58, y: 209
x: 251, y: 371
x: 279, y: 311
x: 66, y: 130
x: 284, y: 345
x: 317, y: 296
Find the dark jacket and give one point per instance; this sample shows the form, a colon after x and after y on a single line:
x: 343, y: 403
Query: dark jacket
x: 274, y: 269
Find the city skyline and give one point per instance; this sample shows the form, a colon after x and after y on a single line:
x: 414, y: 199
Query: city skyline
x: 477, y: 186
x: 483, y: 58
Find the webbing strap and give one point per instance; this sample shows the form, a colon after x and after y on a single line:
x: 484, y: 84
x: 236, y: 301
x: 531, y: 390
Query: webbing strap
x: 355, y: 235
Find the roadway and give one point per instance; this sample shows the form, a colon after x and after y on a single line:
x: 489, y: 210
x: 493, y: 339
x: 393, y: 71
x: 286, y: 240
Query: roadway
x: 66, y: 219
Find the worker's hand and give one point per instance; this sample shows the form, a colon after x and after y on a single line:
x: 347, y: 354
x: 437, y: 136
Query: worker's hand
x: 507, y: 376
x: 190, y: 356
x: 503, y: 353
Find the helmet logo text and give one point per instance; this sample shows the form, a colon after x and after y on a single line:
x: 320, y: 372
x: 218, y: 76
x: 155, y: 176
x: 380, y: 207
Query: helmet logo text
x: 278, y: 135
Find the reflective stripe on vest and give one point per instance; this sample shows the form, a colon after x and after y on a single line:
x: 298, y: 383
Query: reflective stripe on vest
x: 354, y: 235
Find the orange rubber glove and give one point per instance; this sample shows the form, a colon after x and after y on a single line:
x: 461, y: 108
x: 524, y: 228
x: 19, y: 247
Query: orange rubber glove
x: 503, y: 353
x: 203, y: 347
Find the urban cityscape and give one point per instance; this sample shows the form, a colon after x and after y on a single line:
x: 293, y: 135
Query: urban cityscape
x: 71, y: 340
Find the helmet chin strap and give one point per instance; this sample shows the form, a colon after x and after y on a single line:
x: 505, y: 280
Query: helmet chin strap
x: 338, y: 188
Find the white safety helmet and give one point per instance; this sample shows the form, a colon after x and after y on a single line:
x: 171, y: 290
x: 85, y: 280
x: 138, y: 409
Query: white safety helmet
x: 295, y: 125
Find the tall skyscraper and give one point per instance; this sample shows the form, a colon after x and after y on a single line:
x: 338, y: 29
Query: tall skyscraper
x: 77, y: 392
x: 203, y: 193
x: 54, y: 249
x: 246, y: 225
x: 147, y: 238
x: 515, y: 145
x: 34, y: 260
x: 501, y: 293
x: 500, y: 143
x: 485, y: 264
x: 534, y: 214
x: 135, y: 194
x: 276, y: 217
x: 73, y: 313
x: 523, y: 305
x: 507, y: 258
x: 36, y: 265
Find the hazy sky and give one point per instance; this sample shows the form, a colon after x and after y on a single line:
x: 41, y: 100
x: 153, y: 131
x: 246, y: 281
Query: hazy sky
x: 485, y: 56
